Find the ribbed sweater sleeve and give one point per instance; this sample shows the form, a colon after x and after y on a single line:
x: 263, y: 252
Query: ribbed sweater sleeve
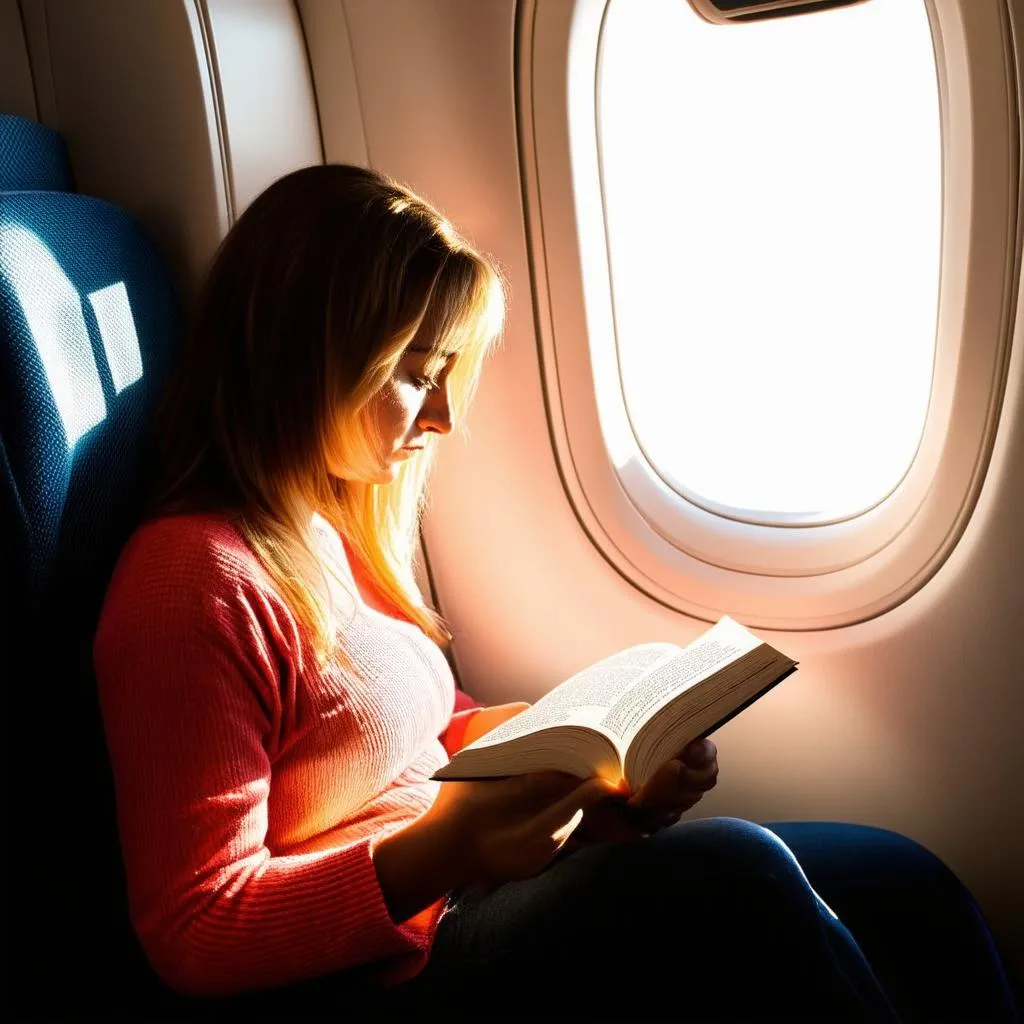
x: 198, y: 677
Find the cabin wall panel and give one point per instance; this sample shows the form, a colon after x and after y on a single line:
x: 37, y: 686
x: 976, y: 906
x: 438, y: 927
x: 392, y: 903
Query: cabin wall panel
x: 180, y: 111
x: 129, y: 89
x: 265, y: 92
x: 334, y: 75
x: 17, y: 95
x: 909, y: 721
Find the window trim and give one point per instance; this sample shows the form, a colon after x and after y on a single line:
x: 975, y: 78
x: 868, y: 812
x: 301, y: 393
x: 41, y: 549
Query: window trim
x: 793, y: 576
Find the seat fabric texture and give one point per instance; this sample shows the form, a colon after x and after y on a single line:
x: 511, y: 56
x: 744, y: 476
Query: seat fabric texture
x: 32, y: 157
x: 89, y: 328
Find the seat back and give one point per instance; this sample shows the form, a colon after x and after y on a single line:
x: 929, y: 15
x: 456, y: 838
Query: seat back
x: 89, y: 328
x: 32, y: 157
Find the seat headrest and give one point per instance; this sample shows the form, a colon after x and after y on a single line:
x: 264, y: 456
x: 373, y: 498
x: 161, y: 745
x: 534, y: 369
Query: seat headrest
x: 32, y: 156
x: 89, y: 327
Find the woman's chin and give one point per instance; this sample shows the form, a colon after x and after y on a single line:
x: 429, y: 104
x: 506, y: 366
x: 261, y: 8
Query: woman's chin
x: 386, y: 473
x: 389, y: 474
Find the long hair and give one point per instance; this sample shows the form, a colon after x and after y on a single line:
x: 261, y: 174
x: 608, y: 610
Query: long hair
x: 309, y: 303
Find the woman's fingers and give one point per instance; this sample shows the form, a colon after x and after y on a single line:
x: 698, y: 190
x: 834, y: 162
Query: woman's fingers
x: 570, y: 808
x: 611, y: 821
x: 699, y: 754
x: 696, y: 779
x: 541, y: 789
x: 674, y: 783
x: 490, y: 718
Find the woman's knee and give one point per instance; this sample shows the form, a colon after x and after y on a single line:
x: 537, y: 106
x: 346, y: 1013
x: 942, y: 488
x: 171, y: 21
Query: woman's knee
x: 861, y: 860
x: 727, y: 845
x: 723, y: 865
x: 715, y: 884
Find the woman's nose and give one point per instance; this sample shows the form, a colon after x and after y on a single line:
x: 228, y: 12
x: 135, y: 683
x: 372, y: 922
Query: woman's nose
x: 436, y: 414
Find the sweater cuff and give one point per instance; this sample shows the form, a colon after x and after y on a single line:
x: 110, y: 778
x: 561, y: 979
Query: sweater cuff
x: 414, y: 937
x: 379, y: 931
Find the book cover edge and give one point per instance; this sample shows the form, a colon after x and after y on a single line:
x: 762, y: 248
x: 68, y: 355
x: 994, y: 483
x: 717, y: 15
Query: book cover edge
x: 746, y: 704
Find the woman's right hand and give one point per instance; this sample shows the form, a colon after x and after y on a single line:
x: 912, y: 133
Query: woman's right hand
x: 481, y: 833
x: 504, y: 829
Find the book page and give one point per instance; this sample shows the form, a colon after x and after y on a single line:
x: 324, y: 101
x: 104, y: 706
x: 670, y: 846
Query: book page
x: 583, y: 699
x: 669, y: 729
x: 720, y: 645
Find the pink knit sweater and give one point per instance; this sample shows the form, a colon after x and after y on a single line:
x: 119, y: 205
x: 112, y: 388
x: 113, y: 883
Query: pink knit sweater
x: 252, y: 785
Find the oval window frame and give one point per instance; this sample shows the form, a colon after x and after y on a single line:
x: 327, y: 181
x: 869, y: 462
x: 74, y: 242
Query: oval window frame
x: 788, y: 575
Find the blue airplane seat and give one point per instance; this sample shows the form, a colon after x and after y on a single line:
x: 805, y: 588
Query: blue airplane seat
x: 89, y: 328
x: 32, y: 157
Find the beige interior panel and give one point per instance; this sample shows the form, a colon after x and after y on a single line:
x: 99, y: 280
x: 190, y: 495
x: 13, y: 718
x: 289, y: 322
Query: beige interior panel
x: 263, y: 85
x: 909, y: 721
x: 16, y: 93
x: 132, y: 97
x: 33, y: 17
x: 180, y: 111
x: 334, y: 77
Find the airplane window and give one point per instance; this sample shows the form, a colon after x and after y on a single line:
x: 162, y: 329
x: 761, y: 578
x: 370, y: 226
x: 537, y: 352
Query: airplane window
x: 773, y: 202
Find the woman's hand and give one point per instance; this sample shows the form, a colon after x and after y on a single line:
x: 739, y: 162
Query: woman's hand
x: 504, y: 829
x: 482, y: 833
x: 673, y: 789
x: 490, y: 718
x: 677, y: 785
x: 510, y: 828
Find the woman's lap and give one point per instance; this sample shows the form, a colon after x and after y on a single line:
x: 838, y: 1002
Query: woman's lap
x: 725, y: 923
x: 711, y: 919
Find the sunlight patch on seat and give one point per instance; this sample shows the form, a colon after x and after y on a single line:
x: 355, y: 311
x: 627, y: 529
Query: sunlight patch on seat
x: 53, y: 312
x: 117, y: 329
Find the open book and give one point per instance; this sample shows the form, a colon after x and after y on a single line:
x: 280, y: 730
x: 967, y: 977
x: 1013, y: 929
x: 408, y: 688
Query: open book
x: 631, y: 712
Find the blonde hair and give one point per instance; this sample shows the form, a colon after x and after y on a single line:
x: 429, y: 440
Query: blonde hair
x: 311, y: 299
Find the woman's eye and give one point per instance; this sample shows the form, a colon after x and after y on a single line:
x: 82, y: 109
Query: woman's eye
x: 424, y: 383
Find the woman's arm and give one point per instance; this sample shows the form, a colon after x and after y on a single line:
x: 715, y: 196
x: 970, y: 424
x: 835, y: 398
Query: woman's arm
x: 419, y: 865
x: 482, y: 833
x: 468, y: 726
x: 198, y: 698
x: 426, y: 860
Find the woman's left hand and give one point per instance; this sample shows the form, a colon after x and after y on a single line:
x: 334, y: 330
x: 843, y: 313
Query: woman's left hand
x: 488, y: 718
x: 671, y: 791
x: 677, y: 785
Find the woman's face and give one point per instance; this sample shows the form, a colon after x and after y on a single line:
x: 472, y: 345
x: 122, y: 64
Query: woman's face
x: 410, y: 407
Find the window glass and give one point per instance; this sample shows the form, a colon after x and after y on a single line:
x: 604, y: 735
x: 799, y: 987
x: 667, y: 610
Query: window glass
x: 773, y: 210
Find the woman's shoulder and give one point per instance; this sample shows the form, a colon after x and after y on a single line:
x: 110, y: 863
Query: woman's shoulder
x: 189, y: 595
x: 179, y: 564
x: 195, y: 543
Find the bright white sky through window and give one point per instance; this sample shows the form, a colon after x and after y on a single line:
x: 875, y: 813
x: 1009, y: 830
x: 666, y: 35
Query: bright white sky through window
x: 773, y: 203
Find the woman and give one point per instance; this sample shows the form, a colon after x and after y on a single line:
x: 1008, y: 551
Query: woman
x: 275, y: 697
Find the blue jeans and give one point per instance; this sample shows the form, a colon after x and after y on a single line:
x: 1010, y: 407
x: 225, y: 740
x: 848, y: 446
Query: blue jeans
x: 919, y: 927
x: 710, y: 920
x: 715, y: 919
